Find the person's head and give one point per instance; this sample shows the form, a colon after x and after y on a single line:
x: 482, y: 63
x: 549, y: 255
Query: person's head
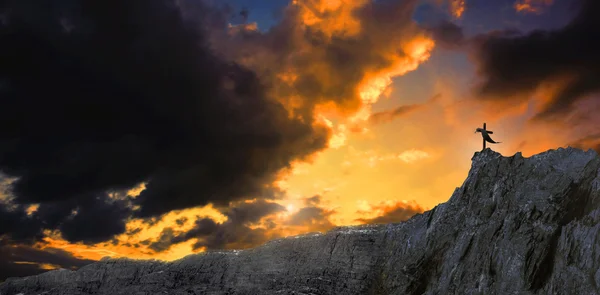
x: 478, y: 130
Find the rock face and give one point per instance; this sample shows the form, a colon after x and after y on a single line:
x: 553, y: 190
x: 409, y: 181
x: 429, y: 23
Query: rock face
x: 516, y: 226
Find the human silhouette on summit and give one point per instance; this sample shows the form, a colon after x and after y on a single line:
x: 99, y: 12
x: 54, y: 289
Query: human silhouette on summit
x: 486, y: 135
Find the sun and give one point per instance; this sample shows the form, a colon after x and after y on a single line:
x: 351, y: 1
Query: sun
x: 291, y: 208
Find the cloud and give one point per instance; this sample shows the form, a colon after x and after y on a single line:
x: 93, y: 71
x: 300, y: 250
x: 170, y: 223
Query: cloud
x: 181, y: 221
x: 314, y: 218
x: 413, y: 155
x: 95, y: 220
x: 401, y: 111
x: 447, y: 34
x: 248, y: 224
x: 531, y: 6
x: 339, y: 56
x: 90, y: 220
x: 20, y: 260
x: 514, y: 66
x: 130, y: 94
x: 17, y: 224
x: 457, y: 8
x: 371, y: 158
x: 244, y: 13
x: 313, y: 201
x: 167, y: 238
x: 388, y: 116
x: 390, y: 212
x: 590, y: 141
x: 237, y: 232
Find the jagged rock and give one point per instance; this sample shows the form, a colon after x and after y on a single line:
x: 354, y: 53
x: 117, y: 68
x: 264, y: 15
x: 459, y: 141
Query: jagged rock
x: 516, y: 226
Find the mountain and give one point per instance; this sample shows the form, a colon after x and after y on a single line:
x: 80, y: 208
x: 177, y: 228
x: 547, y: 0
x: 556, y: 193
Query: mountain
x: 516, y: 226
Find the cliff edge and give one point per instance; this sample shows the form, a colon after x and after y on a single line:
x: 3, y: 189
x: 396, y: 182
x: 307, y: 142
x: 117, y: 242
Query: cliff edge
x: 516, y: 226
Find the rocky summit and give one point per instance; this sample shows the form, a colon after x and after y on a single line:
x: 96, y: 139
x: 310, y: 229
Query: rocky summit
x: 516, y: 226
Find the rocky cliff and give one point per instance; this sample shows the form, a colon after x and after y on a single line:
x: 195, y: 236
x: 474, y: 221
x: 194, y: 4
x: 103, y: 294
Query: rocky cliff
x: 516, y: 226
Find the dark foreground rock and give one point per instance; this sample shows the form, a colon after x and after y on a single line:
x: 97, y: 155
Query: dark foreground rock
x: 516, y: 226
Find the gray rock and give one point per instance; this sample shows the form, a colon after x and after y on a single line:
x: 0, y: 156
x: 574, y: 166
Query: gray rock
x: 516, y: 226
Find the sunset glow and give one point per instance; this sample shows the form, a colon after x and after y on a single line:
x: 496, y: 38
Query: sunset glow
x: 457, y: 7
x: 532, y: 6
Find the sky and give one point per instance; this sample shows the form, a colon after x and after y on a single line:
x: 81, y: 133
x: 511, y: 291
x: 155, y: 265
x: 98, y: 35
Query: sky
x: 157, y: 129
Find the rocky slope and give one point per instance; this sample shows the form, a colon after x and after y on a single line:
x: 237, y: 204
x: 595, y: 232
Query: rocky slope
x: 516, y: 226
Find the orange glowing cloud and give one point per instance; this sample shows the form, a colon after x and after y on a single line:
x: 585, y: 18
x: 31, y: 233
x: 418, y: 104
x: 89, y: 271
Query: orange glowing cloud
x: 457, y: 8
x: 531, y: 6
x: 376, y: 83
x: 539, y: 102
x: 329, y: 60
x: 330, y: 16
x: 247, y: 224
x: 249, y: 27
x: 4, y: 184
x: 388, y: 211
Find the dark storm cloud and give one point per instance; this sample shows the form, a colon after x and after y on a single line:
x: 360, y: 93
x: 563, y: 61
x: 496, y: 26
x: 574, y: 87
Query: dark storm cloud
x: 131, y: 93
x: 95, y: 220
x: 513, y: 66
x: 248, y: 213
x: 18, y: 225
x: 234, y: 233
x: 20, y: 261
x: 91, y: 219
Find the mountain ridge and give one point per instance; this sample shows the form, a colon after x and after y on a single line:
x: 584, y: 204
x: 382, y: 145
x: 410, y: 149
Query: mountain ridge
x: 515, y: 226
